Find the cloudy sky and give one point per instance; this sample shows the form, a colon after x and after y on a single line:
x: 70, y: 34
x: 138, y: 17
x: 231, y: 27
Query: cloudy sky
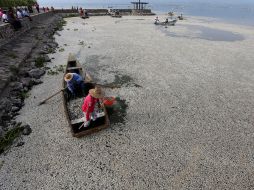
x: 127, y: 1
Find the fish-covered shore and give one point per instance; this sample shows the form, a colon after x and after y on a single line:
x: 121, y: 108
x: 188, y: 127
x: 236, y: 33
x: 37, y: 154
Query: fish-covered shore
x: 188, y: 120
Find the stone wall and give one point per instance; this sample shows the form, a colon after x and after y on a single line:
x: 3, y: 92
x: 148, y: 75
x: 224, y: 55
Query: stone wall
x: 7, y: 33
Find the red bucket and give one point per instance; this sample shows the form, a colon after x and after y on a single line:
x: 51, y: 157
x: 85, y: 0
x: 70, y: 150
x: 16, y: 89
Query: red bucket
x: 109, y: 101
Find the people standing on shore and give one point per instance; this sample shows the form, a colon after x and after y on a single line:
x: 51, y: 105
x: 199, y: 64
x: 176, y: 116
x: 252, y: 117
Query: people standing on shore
x: 26, y: 14
x: 81, y: 12
x: 19, y: 14
x: 37, y: 7
x: 44, y: 10
x: 13, y: 20
x: 1, y: 14
x: 157, y: 19
x: 89, y: 104
x: 30, y: 9
x: 4, y: 17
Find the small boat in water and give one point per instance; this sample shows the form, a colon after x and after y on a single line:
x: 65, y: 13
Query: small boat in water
x: 72, y: 106
x: 166, y: 23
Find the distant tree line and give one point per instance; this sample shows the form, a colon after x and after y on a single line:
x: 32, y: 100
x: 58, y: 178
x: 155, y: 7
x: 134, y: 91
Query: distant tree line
x: 15, y: 3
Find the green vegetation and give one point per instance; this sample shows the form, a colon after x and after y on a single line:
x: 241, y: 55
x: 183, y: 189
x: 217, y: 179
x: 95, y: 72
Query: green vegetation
x: 1, y: 163
x: 15, y: 3
x: 56, y: 70
x: 71, y: 15
x: 39, y: 62
x: 12, y: 55
x: 24, y: 95
x: 51, y: 50
x: 60, y: 25
x: 9, y: 137
x: 61, y: 49
x: 14, y: 69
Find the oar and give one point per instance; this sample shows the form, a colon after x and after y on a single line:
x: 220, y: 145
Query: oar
x: 43, y: 102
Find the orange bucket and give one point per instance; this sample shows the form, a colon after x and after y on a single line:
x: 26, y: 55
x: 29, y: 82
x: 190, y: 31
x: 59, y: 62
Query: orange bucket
x: 109, y: 101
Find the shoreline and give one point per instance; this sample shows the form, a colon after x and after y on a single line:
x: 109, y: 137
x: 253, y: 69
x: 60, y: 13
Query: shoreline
x: 188, y: 122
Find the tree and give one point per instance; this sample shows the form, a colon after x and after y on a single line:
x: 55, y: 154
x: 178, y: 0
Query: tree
x: 15, y: 3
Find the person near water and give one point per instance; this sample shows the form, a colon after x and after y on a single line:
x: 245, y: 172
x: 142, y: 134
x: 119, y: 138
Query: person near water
x: 4, y: 17
x: 13, y: 20
x: 75, y: 83
x: 89, y: 104
x: 26, y: 14
x: 1, y: 13
x: 157, y: 19
x: 37, y: 7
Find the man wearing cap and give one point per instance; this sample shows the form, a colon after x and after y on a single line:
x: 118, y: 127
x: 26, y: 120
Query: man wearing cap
x: 89, y: 104
x: 75, y: 82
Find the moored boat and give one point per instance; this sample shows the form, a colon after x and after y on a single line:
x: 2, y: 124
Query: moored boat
x: 72, y: 106
x: 169, y: 23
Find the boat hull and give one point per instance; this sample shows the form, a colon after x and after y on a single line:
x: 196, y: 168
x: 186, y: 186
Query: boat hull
x: 99, y: 124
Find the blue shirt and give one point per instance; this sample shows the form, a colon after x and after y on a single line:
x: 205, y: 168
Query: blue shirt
x: 76, y: 79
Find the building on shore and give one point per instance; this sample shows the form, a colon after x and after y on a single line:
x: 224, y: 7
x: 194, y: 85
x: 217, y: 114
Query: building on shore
x: 139, y: 8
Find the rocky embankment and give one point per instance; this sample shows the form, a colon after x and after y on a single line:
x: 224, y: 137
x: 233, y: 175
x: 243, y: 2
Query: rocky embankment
x: 28, y: 63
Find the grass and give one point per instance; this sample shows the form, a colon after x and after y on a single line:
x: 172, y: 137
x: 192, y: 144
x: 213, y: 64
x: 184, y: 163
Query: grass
x: 56, y: 70
x: 60, y: 25
x: 71, y: 15
x: 61, y: 49
x: 51, y: 50
x: 1, y: 163
x: 9, y: 137
x: 14, y: 69
x: 12, y: 55
x: 24, y: 95
x: 39, y: 62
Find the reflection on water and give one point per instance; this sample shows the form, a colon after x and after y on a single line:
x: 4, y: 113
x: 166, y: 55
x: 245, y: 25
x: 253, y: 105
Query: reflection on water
x: 242, y: 13
x: 201, y: 32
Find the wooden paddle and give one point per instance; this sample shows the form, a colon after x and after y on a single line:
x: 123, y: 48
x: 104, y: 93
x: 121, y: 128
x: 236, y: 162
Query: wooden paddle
x: 43, y: 102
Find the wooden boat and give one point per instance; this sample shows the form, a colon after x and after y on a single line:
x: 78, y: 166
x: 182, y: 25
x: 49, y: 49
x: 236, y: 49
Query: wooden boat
x: 169, y: 23
x: 73, y: 66
x: 85, y: 15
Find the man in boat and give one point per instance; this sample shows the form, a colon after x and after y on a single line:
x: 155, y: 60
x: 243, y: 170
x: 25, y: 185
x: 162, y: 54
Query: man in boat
x: 157, y: 20
x: 75, y: 83
x: 90, y: 101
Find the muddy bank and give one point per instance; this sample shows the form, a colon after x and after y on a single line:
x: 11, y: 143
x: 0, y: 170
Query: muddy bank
x: 24, y: 61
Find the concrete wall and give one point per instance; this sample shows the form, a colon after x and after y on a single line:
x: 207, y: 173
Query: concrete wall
x: 7, y: 33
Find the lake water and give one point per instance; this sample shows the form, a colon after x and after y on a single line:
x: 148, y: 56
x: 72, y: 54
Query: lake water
x: 241, y: 13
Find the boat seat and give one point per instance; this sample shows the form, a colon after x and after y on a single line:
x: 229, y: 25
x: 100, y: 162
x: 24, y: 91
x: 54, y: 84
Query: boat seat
x: 80, y: 120
x: 73, y: 68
